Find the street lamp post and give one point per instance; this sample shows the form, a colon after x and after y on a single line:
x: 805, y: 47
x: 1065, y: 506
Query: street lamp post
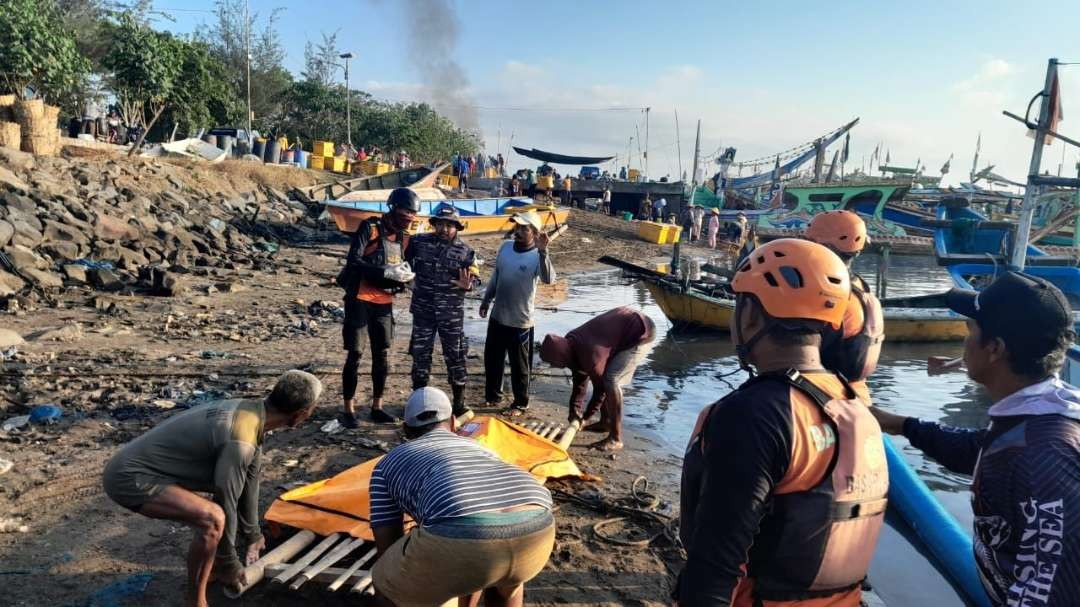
x: 348, y: 99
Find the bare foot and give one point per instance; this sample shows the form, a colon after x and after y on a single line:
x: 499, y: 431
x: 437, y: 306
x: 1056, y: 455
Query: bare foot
x: 600, y: 426
x: 608, y: 444
x: 516, y: 411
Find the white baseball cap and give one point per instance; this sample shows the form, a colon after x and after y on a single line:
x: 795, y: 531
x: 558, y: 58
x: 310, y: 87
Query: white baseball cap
x: 427, y: 406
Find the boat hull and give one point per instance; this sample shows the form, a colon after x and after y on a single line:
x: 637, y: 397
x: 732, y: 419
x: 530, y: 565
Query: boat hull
x: 693, y: 310
x: 348, y: 216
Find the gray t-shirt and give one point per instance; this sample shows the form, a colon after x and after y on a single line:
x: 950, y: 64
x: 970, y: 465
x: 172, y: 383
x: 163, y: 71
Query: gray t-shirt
x: 214, y: 448
x: 513, y: 284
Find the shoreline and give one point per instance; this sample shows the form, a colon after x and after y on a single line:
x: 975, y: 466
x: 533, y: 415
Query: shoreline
x: 133, y: 360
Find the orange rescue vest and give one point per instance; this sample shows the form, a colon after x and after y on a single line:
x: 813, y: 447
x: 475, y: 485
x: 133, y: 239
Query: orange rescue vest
x: 819, y: 542
x: 382, y: 252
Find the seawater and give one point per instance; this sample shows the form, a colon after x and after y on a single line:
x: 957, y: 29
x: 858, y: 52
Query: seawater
x: 685, y: 371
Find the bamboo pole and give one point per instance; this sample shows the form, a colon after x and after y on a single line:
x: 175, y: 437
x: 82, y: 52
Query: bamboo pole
x: 344, y: 577
x: 571, y: 432
x: 253, y: 573
x: 307, y: 559
x: 339, y: 552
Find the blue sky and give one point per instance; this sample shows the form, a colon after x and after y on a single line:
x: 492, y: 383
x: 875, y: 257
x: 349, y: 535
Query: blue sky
x: 925, y: 77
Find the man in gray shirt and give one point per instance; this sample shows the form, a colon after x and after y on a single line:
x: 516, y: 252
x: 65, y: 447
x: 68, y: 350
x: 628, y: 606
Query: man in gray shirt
x: 215, y: 449
x: 518, y: 266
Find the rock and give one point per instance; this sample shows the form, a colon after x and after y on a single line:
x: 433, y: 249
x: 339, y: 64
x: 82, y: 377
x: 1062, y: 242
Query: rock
x: 9, y: 338
x: 75, y: 273
x: 25, y: 234
x: 231, y: 287
x: 131, y: 260
x: 10, y: 284
x: 107, y: 227
x: 62, y: 250
x: 19, y: 202
x: 42, y: 278
x: 66, y: 333
x: 24, y: 259
x: 15, y: 159
x: 59, y: 232
x: 165, y: 283
x: 12, y: 181
x: 106, y: 280
x: 6, y: 232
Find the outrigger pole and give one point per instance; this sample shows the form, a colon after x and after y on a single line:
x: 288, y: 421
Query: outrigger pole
x: 1051, y: 101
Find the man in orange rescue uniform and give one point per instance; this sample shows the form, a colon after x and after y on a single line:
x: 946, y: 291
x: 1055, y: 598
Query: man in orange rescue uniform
x: 374, y: 271
x: 784, y: 481
x: 854, y: 348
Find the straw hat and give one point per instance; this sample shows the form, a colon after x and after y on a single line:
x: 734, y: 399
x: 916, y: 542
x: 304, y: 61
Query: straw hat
x: 529, y: 218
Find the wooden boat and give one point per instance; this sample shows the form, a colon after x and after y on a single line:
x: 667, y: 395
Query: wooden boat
x: 480, y: 215
x: 695, y: 306
x: 693, y: 309
x: 964, y: 236
x: 417, y: 177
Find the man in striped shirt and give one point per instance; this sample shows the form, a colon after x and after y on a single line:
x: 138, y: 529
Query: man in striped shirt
x: 483, y: 525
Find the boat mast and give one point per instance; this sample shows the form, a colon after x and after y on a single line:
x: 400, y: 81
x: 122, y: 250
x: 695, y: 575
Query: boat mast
x: 694, y: 169
x: 1019, y: 254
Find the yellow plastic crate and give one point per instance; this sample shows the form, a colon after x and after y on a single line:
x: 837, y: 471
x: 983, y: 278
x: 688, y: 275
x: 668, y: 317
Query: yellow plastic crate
x: 383, y: 167
x: 324, y: 149
x: 449, y: 181
x: 653, y: 232
x: 632, y: 175
x: 315, y: 162
x: 490, y: 173
x: 671, y: 236
x: 335, y: 164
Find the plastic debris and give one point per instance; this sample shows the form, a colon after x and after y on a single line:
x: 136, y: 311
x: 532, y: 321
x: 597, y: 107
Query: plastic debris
x: 13, y: 525
x: 45, y: 414
x: 15, y: 423
x: 90, y: 264
x: 120, y: 592
x: 6, y: 465
x: 332, y: 427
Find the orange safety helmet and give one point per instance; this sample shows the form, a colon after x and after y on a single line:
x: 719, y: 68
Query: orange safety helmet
x: 796, y: 279
x: 842, y: 231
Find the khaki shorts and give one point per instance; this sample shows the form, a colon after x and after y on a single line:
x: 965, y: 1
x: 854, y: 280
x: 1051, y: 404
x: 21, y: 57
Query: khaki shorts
x: 423, y: 569
x: 620, y: 369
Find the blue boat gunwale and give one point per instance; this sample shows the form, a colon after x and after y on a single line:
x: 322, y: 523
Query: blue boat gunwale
x: 465, y: 206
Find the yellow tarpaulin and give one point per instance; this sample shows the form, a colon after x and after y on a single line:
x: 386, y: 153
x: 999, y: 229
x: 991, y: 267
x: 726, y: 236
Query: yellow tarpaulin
x: 341, y: 505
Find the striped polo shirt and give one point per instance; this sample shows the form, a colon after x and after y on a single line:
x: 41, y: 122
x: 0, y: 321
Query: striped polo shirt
x: 441, y: 476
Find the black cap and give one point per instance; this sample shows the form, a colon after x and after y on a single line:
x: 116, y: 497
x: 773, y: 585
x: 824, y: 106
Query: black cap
x: 1027, y: 312
x: 449, y: 214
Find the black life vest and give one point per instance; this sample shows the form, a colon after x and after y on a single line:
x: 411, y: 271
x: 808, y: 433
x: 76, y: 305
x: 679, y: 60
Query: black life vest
x: 381, y: 251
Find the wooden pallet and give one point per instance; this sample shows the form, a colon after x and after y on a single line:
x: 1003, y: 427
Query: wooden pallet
x: 302, y: 559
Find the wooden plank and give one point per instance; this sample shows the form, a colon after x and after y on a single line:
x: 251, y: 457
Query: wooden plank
x: 339, y: 552
x: 348, y: 573
x: 255, y: 572
x: 307, y: 559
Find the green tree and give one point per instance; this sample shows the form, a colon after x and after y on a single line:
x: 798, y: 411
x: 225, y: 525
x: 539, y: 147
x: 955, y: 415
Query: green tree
x: 319, y: 60
x: 203, y: 95
x: 145, y: 66
x: 38, y: 52
x: 228, y: 36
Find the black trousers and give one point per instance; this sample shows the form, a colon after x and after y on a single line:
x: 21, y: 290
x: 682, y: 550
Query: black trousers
x: 503, y: 341
x: 377, y: 320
